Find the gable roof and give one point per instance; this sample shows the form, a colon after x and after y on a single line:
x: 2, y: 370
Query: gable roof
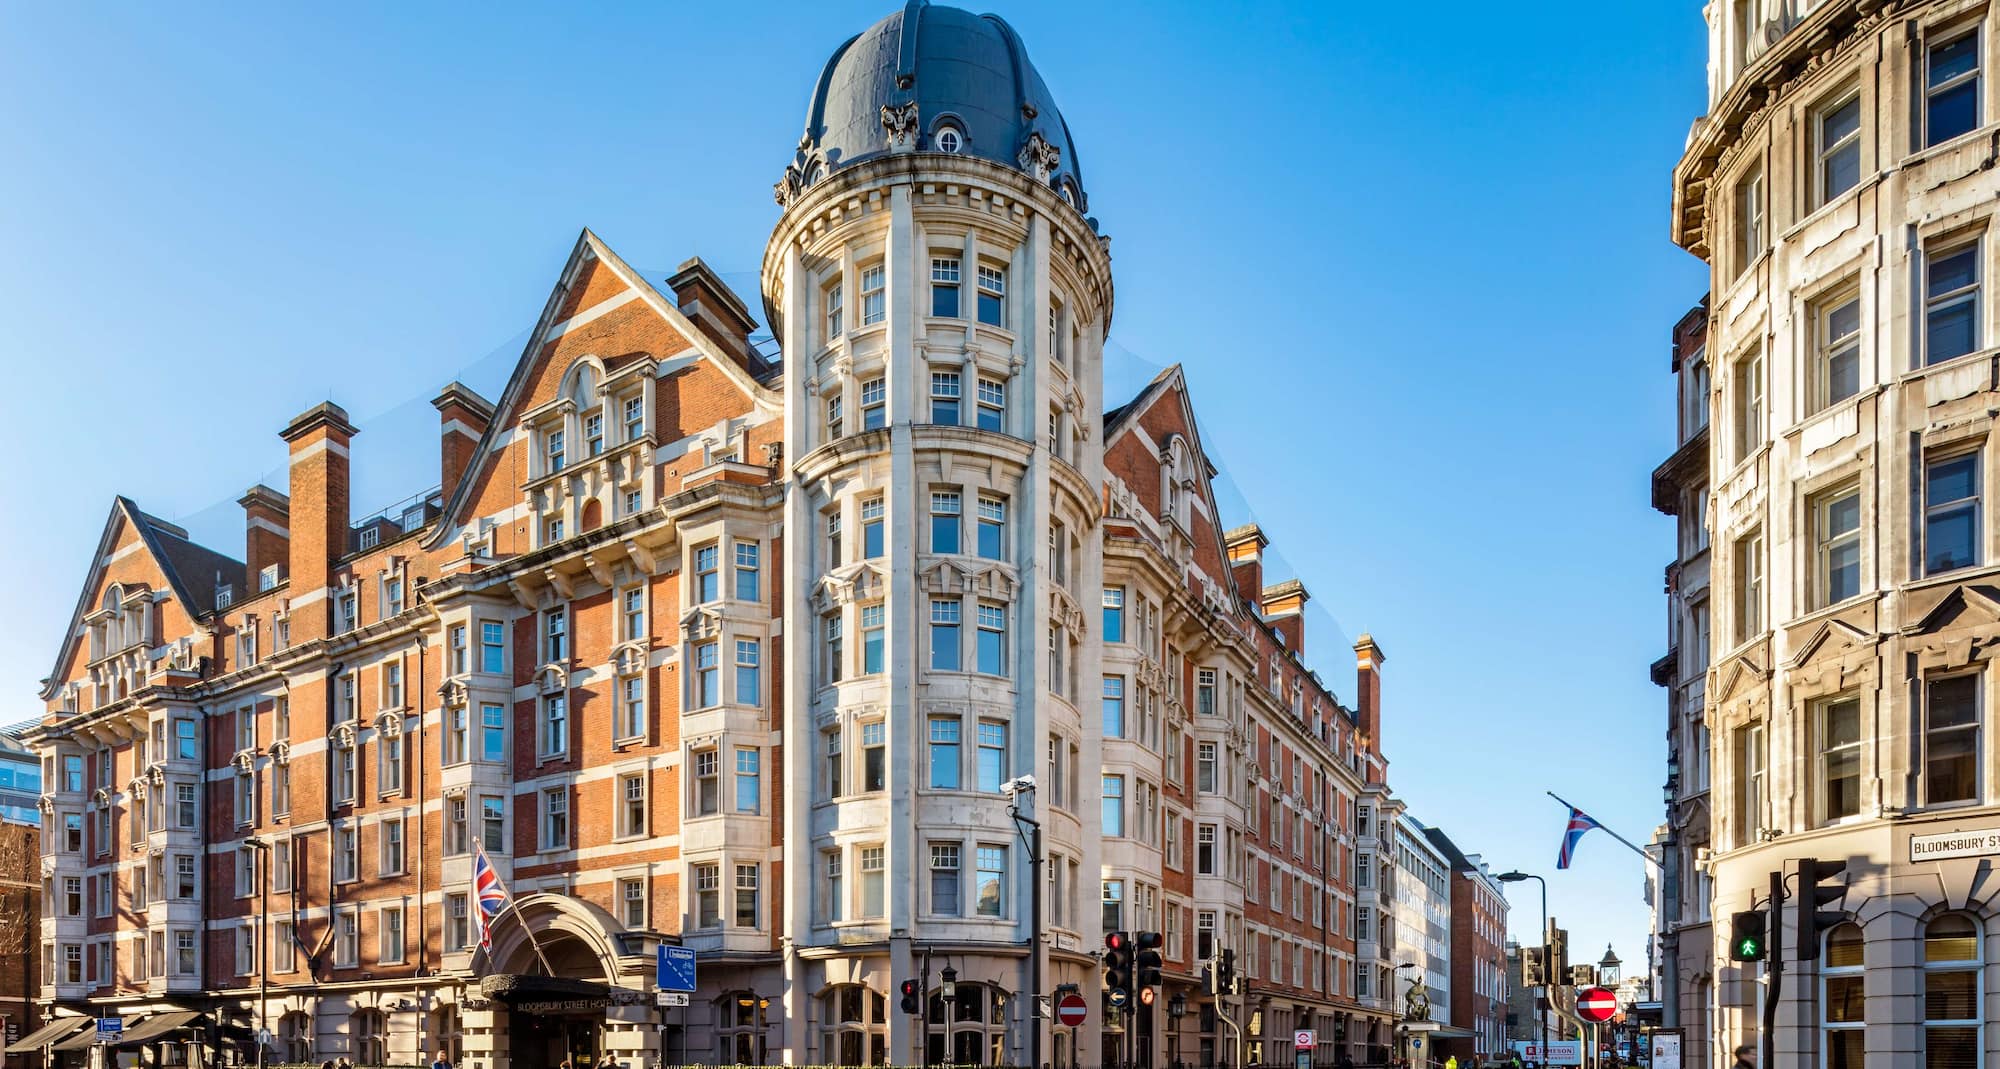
x: 588, y: 247
x: 193, y: 572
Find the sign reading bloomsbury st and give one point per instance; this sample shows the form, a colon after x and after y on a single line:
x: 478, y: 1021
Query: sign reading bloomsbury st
x: 1946, y: 845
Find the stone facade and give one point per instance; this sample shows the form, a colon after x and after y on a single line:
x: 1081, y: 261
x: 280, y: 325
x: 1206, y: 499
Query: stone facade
x: 843, y: 672
x: 1841, y: 188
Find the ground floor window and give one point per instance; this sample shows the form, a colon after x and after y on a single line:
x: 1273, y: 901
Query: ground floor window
x: 739, y: 1034
x: 368, y: 1028
x: 855, y: 1026
x: 295, y: 1038
x: 1841, y: 999
x: 972, y: 1025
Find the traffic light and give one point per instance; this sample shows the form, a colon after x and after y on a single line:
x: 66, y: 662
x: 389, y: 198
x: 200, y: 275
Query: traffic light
x: 1558, y: 960
x: 1534, y: 967
x: 1811, y: 921
x: 1209, y: 972
x: 1118, y: 961
x: 913, y: 993
x: 1747, y: 935
x: 1583, y: 976
x: 1225, y: 973
x: 1147, y: 962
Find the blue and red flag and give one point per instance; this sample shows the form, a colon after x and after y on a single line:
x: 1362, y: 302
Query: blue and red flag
x: 1579, y: 822
x: 489, y: 894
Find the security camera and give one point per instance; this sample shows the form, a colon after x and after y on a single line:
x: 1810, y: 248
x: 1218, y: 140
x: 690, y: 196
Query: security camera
x: 1019, y: 784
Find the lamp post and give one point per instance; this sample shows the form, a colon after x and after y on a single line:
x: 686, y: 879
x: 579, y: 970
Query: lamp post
x: 1548, y: 998
x: 1030, y: 831
x: 948, y: 990
x: 263, y: 848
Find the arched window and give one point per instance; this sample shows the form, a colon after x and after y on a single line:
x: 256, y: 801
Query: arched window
x: 367, y: 1027
x: 975, y: 1031
x: 1952, y: 1013
x: 295, y: 1037
x: 948, y: 139
x: 1841, y: 1003
x: 741, y: 1018
x: 854, y: 1023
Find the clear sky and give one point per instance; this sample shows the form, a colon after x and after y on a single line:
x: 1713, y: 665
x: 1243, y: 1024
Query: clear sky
x: 1414, y: 259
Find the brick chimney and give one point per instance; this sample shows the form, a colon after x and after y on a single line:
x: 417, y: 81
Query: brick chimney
x: 319, y: 439
x: 462, y: 418
x: 1245, y: 546
x: 1284, y: 608
x: 716, y: 311
x: 267, y: 536
x: 1368, y: 658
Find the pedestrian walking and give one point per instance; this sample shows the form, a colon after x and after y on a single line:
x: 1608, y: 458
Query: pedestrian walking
x: 1746, y: 1057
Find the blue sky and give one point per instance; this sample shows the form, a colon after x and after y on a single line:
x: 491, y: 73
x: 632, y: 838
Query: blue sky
x: 1417, y: 269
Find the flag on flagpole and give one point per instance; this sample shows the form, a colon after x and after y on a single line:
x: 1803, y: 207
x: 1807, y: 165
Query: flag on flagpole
x: 489, y: 894
x: 1579, y: 823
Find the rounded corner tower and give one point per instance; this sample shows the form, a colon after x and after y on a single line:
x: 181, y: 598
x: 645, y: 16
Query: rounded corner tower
x: 942, y: 304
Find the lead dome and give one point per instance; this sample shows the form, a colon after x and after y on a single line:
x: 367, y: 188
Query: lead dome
x: 973, y: 90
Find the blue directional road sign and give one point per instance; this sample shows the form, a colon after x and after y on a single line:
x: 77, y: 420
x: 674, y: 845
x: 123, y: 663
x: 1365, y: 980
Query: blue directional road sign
x: 676, y: 969
x: 109, y: 1028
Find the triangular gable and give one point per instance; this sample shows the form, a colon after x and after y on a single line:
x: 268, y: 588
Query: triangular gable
x: 1737, y: 674
x: 164, y: 544
x: 1832, y: 636
x: 1125, y: 421
x: 1978, y: 601
x: 564, y: 304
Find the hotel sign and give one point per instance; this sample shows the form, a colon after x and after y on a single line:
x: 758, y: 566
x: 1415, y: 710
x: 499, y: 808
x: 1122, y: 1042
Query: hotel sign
x: 1946, y: 845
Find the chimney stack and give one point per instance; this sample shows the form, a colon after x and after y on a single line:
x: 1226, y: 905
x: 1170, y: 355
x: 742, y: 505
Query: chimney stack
x: 463, y: 417
x: 716, y: 311
x: 1368, y: 658
x: 1245, y: 546
x: 319, y: 438
x: 1284, y: 608
x: 267, y: 537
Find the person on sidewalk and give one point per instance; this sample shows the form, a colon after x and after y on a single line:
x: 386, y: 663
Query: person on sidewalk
x: 1746, y: 1057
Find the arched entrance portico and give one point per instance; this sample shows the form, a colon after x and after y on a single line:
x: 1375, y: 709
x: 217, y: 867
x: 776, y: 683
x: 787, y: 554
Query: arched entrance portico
x: 549, y: 990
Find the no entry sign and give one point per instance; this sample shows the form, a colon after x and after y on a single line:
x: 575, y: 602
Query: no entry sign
x: 1596, y: 1005
x: 1071, y: 1010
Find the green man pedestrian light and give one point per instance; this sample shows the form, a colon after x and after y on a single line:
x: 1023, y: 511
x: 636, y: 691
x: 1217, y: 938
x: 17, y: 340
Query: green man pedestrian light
x: 1746, y: 935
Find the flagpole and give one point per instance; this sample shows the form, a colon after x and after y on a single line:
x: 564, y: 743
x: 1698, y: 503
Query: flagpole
x: 1627, y: 843
x: 509, y: 896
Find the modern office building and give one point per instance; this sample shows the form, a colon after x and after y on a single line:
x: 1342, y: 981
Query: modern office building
x: 900, y: 659
x: 1841, y: 189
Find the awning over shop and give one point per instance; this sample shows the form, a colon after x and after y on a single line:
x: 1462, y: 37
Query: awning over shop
x: 41, y: 1037
x: 85, y: 1039
x: 157, y: 1026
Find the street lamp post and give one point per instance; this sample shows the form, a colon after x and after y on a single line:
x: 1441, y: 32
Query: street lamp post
x: 263, y: 848
x: 1030, y: 831
x: 1548, y: 1000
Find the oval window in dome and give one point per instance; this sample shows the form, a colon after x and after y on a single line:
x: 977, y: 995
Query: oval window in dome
x: 1069, y: 194
x: 949, y: 140
x: 814, y: 174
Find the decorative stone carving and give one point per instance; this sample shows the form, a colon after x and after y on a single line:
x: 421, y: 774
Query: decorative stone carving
x: 787, y: 187
x: 899, y: 122
x: 1038, y: 157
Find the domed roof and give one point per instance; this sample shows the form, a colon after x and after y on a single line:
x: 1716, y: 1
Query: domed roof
x: 935, y: 79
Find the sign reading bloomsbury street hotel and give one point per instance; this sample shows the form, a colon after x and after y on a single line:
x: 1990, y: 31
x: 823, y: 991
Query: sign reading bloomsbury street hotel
x: 1946, y: 845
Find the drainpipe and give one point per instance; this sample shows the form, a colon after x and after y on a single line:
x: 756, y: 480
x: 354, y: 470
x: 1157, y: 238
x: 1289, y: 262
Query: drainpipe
x: 415, y: 756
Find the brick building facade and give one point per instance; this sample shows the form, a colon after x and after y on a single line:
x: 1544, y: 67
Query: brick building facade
x: 761, y: 659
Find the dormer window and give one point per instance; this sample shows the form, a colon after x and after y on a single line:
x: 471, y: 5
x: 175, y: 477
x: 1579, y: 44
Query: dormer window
x: 267, y: 577
x: 367, y: 538
x: 948, y: 139
x: 224, y: 595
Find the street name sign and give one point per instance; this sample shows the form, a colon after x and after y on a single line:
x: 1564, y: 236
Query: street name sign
x: 109, y: 1028
x: 1950, y: 844
x: 1072, y: 1010
x: 672, y: 998
x: 1596, y: 1004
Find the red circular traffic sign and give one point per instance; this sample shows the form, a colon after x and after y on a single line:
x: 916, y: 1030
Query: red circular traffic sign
x: 1596, y: 1004
x: 1071, y: 1010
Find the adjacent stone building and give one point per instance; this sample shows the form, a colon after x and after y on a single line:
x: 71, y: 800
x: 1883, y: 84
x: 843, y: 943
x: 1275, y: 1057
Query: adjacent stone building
x: 902, y: 658
x: 1842, y: 190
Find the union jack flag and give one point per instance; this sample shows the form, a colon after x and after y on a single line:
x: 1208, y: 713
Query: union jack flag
x: 489, y: 893
x: 1579, y: 822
